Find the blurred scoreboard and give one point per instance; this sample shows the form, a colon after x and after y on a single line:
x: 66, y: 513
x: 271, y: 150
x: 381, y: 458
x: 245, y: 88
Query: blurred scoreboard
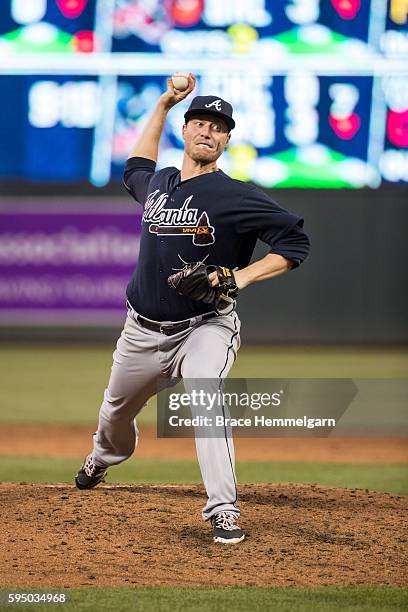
x: 319, y: 88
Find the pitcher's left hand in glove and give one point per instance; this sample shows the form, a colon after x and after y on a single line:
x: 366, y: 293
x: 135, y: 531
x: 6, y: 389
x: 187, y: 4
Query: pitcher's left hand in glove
x: 192, y: 281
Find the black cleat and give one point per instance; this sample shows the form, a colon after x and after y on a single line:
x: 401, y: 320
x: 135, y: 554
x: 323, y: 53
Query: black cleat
x: 90, y: 474
x: 226, y: 529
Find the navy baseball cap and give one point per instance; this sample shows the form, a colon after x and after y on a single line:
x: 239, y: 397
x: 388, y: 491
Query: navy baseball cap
x: 211, y: 105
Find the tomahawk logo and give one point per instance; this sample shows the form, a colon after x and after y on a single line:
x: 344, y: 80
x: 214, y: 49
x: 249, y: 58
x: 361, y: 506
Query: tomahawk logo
x: 216, y: 103
x: 183, y: 221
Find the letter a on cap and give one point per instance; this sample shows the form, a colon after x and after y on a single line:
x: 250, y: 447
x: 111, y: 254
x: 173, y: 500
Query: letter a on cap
x: 216, y: 103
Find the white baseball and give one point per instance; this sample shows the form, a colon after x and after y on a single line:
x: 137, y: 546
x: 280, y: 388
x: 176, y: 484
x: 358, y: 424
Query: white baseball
x: 180, y: 80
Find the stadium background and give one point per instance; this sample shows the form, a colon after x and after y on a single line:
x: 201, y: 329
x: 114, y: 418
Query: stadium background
x: 320, y: 92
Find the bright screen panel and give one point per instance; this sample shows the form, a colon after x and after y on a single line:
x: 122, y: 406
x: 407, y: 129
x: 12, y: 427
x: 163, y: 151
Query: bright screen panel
x: 319, y: 88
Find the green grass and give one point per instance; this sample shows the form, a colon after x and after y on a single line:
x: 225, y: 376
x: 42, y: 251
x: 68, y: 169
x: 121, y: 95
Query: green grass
x: 390, y: 478
x: 65, y: 383
x: 236, y: 599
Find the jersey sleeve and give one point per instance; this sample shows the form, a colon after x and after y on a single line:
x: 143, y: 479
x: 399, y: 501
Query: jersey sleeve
x: 293, y: 245
x: 277, y: 227
x: 136, y: 177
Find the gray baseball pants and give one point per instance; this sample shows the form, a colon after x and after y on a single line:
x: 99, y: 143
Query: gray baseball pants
x: 142, y: 358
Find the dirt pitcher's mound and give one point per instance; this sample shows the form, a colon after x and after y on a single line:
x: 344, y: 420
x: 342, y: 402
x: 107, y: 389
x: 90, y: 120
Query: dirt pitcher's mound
x: 54, y: 535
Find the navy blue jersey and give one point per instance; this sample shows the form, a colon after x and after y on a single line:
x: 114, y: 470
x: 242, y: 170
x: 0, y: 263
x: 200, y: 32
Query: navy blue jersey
x: 210, y: 214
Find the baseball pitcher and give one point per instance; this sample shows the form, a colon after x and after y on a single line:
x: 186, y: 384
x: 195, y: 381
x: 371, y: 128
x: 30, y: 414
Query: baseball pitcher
x: 199, y: 230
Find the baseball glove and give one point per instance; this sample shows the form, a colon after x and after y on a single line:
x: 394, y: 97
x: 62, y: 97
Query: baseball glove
x: 192, y: 281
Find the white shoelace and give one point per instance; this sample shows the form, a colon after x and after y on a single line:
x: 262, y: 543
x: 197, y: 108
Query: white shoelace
x: 90, y: 468
x: 226, y: 520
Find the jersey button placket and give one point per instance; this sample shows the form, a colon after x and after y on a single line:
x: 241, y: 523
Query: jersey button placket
x: 162, y: 243
x: 162, y: 249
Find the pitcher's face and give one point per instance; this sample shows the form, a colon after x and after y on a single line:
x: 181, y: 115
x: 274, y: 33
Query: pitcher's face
x: 205, y: 138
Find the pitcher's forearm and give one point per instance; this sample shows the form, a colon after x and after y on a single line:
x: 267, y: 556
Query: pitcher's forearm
x: 148, y: 143
x: 269, y: 266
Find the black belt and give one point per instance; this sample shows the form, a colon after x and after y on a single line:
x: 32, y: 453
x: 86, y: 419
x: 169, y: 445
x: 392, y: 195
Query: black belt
x: 168, y: 329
